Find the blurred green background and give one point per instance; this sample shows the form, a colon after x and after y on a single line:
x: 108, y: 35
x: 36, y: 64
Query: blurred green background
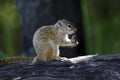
x: 9, y: 29
x: 102, y: 26
x: 101, y: 19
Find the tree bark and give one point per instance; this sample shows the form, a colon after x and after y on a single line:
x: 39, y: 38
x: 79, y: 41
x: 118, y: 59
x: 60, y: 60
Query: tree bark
x: 91, y: 67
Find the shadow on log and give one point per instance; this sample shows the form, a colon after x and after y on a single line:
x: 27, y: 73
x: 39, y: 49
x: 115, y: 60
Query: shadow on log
x: 93, y: 67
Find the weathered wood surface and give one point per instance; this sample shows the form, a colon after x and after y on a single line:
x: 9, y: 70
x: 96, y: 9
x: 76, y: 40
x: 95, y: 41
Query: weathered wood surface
x: 80, y: 68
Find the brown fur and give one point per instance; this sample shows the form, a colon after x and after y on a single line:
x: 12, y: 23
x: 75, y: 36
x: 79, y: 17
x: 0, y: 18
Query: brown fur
x: 47, y: 39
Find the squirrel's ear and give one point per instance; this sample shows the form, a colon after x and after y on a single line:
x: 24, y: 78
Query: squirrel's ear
x: 59, y: 23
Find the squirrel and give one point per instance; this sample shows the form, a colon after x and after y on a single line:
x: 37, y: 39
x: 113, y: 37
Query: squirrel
x: 47, y: 40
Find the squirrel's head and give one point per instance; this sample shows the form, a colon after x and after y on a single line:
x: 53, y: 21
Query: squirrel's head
x: 66, y: 26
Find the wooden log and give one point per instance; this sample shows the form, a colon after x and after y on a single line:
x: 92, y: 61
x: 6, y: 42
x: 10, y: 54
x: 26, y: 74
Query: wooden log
x: 91, y: 67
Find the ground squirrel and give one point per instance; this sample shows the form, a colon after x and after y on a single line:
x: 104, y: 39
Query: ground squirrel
x: 47, y: 39
x: 46, y: 42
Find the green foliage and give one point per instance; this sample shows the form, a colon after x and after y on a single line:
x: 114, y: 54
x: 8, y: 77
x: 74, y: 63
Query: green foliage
x: 2, y: 55
x: 9, y: 22
x: 101, y: 25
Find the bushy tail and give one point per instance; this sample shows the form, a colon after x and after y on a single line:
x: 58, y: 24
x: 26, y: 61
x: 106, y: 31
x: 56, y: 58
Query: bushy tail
x: 11, y: 60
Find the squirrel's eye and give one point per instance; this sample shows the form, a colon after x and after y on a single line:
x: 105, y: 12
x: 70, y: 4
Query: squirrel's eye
x: 69, y: 26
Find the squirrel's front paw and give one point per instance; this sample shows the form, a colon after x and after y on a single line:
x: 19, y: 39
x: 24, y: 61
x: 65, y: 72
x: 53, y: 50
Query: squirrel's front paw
x: 74, y: 40
x: 61, y: 58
